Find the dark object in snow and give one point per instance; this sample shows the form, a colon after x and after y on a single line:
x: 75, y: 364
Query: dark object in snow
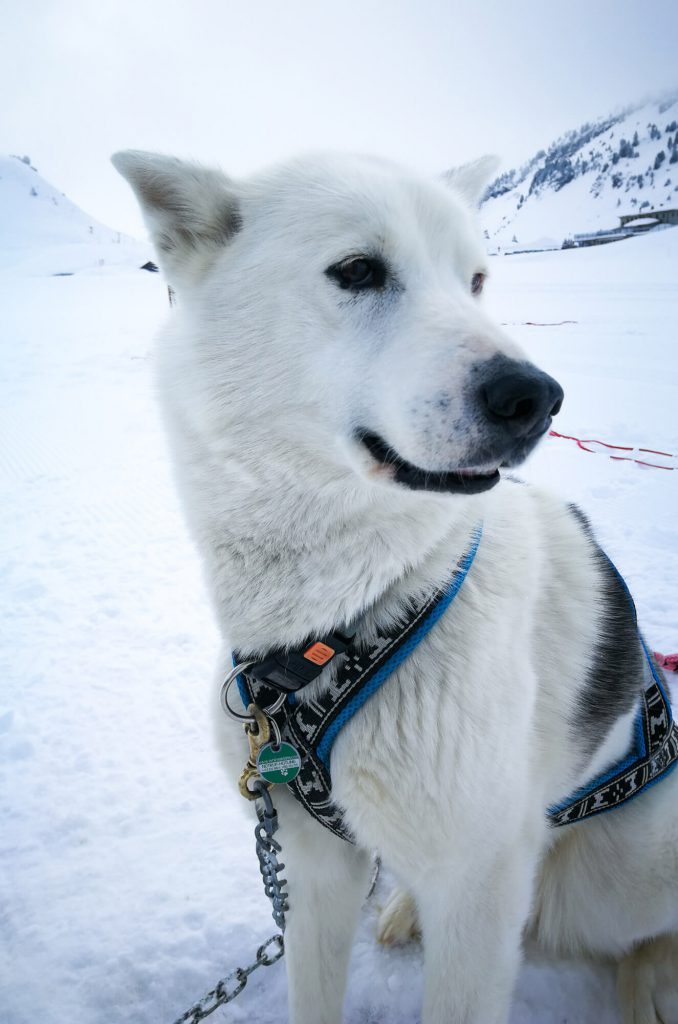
x: 63, y: 273
x: 149, y: 266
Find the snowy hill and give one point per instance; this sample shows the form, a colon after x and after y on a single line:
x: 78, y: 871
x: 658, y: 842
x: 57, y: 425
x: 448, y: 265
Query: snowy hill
x: 41, y: 228
x: 622, y: 164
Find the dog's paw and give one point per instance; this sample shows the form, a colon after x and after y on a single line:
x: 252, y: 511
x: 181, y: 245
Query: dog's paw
x: 398, y: 921
x: 647, y: 983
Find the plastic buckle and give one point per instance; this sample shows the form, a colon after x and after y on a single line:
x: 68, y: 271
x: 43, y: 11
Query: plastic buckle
x: 291, y: 670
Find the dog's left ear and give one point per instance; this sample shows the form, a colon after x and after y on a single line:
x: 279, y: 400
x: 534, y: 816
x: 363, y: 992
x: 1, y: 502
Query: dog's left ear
x: 470, y: 180
x: 191, y: 211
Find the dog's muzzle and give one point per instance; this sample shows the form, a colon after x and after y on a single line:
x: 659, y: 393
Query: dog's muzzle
x: 510, y: 406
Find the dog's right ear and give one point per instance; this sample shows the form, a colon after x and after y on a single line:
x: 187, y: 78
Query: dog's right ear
x: 470, y: 180
x: 191, y: 211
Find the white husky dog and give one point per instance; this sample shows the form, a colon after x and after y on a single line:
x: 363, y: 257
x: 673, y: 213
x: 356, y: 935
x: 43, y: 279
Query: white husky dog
x: 339, y: 407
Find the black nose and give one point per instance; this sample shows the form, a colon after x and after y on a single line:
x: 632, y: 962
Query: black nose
x: 521, y: 398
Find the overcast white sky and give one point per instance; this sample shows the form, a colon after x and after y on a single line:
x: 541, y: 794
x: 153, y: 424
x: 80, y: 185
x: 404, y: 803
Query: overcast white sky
x: 245, y: 82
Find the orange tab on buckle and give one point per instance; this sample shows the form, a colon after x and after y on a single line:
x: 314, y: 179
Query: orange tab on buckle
x: 319, y: 653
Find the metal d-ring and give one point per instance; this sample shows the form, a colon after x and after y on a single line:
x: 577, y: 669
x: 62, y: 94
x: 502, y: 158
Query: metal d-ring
x: 276, y: 705
x: 276, y: 730
x: 225, y: 688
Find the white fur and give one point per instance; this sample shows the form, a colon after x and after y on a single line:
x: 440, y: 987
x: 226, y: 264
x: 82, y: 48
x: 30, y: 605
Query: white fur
x: 266, y: 370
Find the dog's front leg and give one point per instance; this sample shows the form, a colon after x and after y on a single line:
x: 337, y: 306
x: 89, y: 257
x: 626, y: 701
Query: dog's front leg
x: 472, y: 923
x: 328, y: 880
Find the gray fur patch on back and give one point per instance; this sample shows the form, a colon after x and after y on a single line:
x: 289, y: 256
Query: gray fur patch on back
x: 617, y: 673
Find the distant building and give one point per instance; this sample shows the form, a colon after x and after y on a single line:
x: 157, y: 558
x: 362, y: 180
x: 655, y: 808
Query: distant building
x: 630, y: 224
x: 596, y: 238
x: 637, y: 221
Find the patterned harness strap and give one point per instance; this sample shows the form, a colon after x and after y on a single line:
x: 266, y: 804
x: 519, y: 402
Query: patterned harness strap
x: 653, y: 756
x: 313, y: 725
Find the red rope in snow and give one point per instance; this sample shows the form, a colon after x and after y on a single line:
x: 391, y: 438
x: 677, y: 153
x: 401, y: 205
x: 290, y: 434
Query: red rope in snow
x: 582, y: 443
x: 669, y: 662
x: 537, y: 323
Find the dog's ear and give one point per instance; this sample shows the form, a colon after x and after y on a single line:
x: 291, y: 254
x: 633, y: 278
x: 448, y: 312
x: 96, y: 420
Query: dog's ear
x: 470, y: 180
x: 190, y: 211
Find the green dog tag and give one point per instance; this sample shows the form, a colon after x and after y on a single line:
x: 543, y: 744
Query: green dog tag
x: 278, y: 765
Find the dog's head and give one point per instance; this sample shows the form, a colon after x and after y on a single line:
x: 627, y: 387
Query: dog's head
x: 335, y: 311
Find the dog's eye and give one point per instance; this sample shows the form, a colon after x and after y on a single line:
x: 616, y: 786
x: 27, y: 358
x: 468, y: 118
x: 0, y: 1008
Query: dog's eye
x: 358, y: 272
x: 477, y: 282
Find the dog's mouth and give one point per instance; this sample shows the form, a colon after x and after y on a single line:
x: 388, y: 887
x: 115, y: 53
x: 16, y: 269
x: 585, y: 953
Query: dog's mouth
x: 459, y: 481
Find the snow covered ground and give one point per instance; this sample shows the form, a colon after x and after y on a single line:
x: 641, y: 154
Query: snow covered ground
x: 128, y: 876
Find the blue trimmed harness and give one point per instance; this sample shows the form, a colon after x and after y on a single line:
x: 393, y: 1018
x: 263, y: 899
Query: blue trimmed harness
x: 653, y: 756
x: 312, y: 725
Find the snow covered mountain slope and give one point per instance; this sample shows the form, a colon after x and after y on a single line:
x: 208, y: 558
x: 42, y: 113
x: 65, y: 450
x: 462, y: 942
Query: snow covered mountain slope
x: 42, y: 229
x: 622, y: 164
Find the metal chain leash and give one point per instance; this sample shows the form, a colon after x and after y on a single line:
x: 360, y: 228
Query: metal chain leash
x: 270, y: 867
x: 267, y: 853
x: 232, y: 985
